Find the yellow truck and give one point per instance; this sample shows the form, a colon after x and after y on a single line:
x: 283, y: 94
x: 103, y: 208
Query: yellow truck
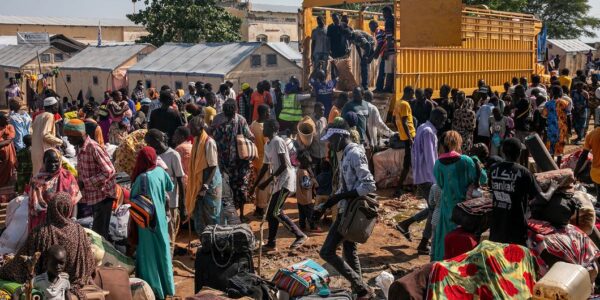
x: 440, y: 42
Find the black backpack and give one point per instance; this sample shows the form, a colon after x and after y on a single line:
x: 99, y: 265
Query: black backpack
x: 558, y: 211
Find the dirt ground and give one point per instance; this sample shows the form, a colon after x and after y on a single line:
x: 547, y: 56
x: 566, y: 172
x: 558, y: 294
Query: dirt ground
x: 386, y: 250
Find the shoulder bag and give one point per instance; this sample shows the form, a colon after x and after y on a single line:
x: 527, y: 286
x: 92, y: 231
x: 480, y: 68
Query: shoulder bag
x: 142, y: 209
x: 246, y: 149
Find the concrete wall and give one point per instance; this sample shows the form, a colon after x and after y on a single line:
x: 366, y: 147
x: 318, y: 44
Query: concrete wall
x: 31, y: 68
x: 81, y: 33
x: 244, y: 72
x: 572, y: 60
x: 273, y: 25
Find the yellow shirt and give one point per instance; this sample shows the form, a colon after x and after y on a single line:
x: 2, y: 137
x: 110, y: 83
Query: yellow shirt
x: 565, y: 81
x: 259, y: 140
x: 592, y: 144
x: 402, y: 110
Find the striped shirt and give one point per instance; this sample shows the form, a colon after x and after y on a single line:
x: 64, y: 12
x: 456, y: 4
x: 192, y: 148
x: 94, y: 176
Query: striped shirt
x: 96, y: 171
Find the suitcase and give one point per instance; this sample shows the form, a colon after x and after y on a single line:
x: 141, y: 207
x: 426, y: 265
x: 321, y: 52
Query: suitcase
x: 473, y: 215
x: 335, y: 295
x: 238, y: 238
x: 302, y: 279
x: 564, y: 281
x: 214, y: 269
x: 540, y: 154
x: 115, y: 280
x: 359, y: 219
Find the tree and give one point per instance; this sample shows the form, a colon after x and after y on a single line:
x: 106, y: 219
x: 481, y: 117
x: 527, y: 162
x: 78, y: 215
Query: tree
x: 565, y: 19
x: 186, y: 21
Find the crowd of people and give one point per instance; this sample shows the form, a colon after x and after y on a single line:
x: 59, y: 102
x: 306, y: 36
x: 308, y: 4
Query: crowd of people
x: 181, y: 150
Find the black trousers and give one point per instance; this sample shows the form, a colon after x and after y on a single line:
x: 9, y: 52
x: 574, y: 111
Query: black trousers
x: 102, y: 211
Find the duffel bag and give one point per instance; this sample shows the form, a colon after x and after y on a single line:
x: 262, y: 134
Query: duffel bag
x: 304, y: 278
x: 228, y: 238
x: 250, y: 285
x: 335, y: 295
x: 215, y: 269
x: 359, y: 219
x: 473, y: 215
x: 558, y: 211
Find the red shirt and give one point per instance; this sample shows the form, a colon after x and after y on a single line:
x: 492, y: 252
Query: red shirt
x: 96, y: 171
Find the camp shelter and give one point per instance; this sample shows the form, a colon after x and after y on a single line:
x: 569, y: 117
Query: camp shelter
x: 177, y: 64
x: 572, y: 53
x: 23, y: 61
x: 99, y: 68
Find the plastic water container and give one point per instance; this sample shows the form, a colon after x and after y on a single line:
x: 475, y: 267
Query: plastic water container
x: 565, y: 282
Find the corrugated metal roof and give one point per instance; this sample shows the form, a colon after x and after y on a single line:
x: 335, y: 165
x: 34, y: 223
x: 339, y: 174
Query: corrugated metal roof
x: 287, y: 51
x: 67, y: 21
x: 273, y: 8
x: 6, y: 40
x: 103, y: 57
x: 209, y: 59
x: 571, y: 45
x: 17, y: 55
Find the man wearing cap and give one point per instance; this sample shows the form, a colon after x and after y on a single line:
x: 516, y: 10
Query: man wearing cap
x: 191, y: 96
x: 44, y: 135
x: 357, y: 181
x: 96, y: 175
x: 138, y: 92
x: 513, y: 186
x: 244, y: 106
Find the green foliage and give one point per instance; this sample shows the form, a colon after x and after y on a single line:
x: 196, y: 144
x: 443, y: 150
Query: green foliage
x: 186, y: 21
x: 565, y: 19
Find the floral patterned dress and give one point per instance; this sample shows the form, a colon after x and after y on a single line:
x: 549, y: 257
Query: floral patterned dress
x: 464, y: 123
x: 555, y: 113
x: 224, y: 131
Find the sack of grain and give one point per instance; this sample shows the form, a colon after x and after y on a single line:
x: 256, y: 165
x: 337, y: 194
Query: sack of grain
x: 346, y: 81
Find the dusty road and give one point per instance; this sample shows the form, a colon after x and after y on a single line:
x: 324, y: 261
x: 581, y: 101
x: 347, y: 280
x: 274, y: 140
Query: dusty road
x: 386, y: 250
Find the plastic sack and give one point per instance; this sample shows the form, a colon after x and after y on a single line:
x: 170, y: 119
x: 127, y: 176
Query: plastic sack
x: 105, y: 254
x: 17, y: 219
x: 384, y: 280
x: 388, y: 166
x: 119, y: 223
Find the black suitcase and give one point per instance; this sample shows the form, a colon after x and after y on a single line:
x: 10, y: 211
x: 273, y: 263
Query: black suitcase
x: 473, y: 215
x: 215, y: 269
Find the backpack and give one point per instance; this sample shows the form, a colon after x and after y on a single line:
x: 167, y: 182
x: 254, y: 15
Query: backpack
x: 304, y: 278
x: 228, y: 238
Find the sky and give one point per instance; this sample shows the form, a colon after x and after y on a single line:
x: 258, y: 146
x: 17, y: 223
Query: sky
x: 118, y: 8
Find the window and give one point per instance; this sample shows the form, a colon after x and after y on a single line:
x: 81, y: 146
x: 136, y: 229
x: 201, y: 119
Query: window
x: 95, y: 80
x: 6, y: 75
x: 255, y: 61
x: 59, y: 57
x: 271, y: 59
x: 262, y: 38
x: 45, y: 58
x: 141, y: 56
x: 148, y: 84
x: 178, y: 85
x: 68, y: 78
x: 285, y: 38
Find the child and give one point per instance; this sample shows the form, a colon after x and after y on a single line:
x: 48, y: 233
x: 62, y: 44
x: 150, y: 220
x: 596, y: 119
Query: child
x: 277, y: 159
x: 498, y: 124
x: 54, y: 284
x: 24, y: 165
x: 324, y: 185
x: 305, y: 185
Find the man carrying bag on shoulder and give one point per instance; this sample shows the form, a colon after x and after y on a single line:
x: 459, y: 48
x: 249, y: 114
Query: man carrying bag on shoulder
x: 356, y: 182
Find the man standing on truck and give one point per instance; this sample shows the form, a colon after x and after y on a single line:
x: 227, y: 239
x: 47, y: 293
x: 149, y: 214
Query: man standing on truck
x: 365, y: 46
x: 338, y: 44
x: 406, y: 131
x: 390, y: 53
x: 379, y: 53
x: 319, y: 46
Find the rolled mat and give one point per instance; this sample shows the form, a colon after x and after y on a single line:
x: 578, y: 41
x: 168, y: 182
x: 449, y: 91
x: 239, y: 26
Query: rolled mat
x: 540, y: 154
x: 564, y: 176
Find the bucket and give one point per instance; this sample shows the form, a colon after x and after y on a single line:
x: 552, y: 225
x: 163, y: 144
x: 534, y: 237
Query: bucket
x: 306, y: 132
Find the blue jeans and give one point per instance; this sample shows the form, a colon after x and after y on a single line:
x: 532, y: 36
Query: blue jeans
x: 208, y: 208
x: 349, y: 267
x: 364, y: 69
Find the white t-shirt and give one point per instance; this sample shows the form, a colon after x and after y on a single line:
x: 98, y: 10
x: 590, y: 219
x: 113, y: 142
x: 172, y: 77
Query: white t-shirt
x: 287, y: 179
x: 175, y: 169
